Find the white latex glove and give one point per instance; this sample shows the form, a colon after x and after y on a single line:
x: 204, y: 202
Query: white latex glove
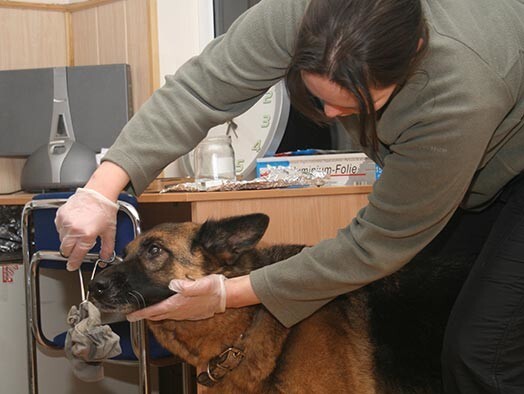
x: 86, y: 215
x: 195, y: 300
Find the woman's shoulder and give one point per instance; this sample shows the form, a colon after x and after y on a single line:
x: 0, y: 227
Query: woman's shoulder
x: 485, y: 31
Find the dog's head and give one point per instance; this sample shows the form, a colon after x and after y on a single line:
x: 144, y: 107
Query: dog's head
x: 178, y: 251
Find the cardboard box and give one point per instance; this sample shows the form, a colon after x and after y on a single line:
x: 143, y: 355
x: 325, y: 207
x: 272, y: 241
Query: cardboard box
x: 344, y: 168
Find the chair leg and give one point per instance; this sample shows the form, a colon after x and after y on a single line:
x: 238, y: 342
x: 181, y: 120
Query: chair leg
x: 144, y: 380
x: 188, y: 379
x: 32, y: 375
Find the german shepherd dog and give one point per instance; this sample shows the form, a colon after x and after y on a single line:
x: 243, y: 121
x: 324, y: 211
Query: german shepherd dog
x: 383, y: 338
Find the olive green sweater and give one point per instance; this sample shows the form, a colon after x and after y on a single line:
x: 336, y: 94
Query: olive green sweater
x: 452, y: 136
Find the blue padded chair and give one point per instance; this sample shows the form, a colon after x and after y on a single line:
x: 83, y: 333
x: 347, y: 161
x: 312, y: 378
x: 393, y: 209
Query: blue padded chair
x: 41, y: 250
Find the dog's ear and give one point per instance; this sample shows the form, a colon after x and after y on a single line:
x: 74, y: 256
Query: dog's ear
x: 226, y: 239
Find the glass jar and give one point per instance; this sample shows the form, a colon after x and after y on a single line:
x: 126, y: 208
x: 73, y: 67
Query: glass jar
x: 214, y: 162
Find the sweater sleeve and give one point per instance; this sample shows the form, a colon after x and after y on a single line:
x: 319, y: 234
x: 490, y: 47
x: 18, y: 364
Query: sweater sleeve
x: 434, y: 134
x: 230, y: 75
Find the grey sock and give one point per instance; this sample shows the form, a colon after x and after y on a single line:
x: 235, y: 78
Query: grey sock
x: 88, y: 342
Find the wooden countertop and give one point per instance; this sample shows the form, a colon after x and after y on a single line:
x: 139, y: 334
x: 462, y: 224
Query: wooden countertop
x: 22, y: 198
x: 252, y: 194
x: 15, y: 199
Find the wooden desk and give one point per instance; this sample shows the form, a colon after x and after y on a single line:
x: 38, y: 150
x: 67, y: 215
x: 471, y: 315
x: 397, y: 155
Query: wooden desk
x: 305, y: 215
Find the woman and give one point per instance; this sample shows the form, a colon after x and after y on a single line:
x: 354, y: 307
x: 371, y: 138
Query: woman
x: 432, y: 91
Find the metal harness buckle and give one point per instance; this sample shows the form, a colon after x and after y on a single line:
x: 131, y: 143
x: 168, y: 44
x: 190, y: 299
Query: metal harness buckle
x: 219, y: 366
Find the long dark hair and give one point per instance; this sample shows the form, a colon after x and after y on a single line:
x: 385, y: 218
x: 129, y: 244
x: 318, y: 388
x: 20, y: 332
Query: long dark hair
x: 356, y: 44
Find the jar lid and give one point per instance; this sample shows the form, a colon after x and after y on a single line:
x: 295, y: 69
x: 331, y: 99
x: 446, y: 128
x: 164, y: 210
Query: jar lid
x: 218, y: 138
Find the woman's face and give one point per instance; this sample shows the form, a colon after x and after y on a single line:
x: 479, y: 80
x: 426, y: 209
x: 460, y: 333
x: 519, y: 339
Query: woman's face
x: 338, y: 101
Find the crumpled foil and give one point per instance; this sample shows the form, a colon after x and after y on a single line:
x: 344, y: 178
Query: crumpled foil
x: 10, y: 229
x: 275, y: 177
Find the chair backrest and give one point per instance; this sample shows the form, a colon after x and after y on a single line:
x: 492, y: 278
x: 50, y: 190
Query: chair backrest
x: 45, y: 235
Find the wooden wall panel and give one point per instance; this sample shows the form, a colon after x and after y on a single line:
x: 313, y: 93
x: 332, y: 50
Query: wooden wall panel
x: 112, y: 35
x: 117, y: 32
x: 85, y: 37
x: 10, y: 173
x: 32, y: 38
x: 139, y: 50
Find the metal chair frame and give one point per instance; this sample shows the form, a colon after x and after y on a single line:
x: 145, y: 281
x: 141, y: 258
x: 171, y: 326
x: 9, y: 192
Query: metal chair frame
x: 35, y: 334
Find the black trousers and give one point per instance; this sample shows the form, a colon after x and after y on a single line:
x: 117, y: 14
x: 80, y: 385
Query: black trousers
x: 483, y: 349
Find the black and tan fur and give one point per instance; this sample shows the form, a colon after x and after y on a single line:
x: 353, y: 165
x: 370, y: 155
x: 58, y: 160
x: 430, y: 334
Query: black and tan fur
x: 384, y: 338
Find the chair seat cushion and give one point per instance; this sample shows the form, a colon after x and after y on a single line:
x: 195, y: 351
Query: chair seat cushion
x: 156, y: 351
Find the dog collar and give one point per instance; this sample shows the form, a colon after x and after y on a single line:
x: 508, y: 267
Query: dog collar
x: 219, y: 366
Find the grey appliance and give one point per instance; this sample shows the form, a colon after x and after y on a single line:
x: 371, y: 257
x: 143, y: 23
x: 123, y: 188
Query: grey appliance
x: 60, y: 118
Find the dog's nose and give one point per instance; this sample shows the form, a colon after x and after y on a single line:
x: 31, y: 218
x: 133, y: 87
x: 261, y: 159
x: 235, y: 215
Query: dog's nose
x: 99, y: 286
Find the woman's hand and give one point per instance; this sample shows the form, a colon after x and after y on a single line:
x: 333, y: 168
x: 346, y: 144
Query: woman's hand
x: 195, y: 300
x: 89, y: 213
x: 86, y: 215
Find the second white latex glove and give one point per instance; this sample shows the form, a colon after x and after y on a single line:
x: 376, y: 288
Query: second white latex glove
x: 195, y: 300
x: 86, y: 215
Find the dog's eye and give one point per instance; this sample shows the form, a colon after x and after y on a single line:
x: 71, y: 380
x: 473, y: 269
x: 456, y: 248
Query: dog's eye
x: 154, y: 250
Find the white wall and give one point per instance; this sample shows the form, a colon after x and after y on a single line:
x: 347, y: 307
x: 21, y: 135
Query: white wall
x: 184, y: 28
x: 13, y: 370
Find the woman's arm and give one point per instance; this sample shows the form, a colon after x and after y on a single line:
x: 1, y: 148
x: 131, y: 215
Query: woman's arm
x: 230, y: 75
x: 239, y: 292
x: 109, y: 180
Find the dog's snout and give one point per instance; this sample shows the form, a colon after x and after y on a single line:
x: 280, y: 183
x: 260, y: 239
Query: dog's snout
x: 99, y: 286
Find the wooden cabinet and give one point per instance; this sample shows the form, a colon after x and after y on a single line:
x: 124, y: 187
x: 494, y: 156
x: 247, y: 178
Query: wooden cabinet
x: 305, y: 215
